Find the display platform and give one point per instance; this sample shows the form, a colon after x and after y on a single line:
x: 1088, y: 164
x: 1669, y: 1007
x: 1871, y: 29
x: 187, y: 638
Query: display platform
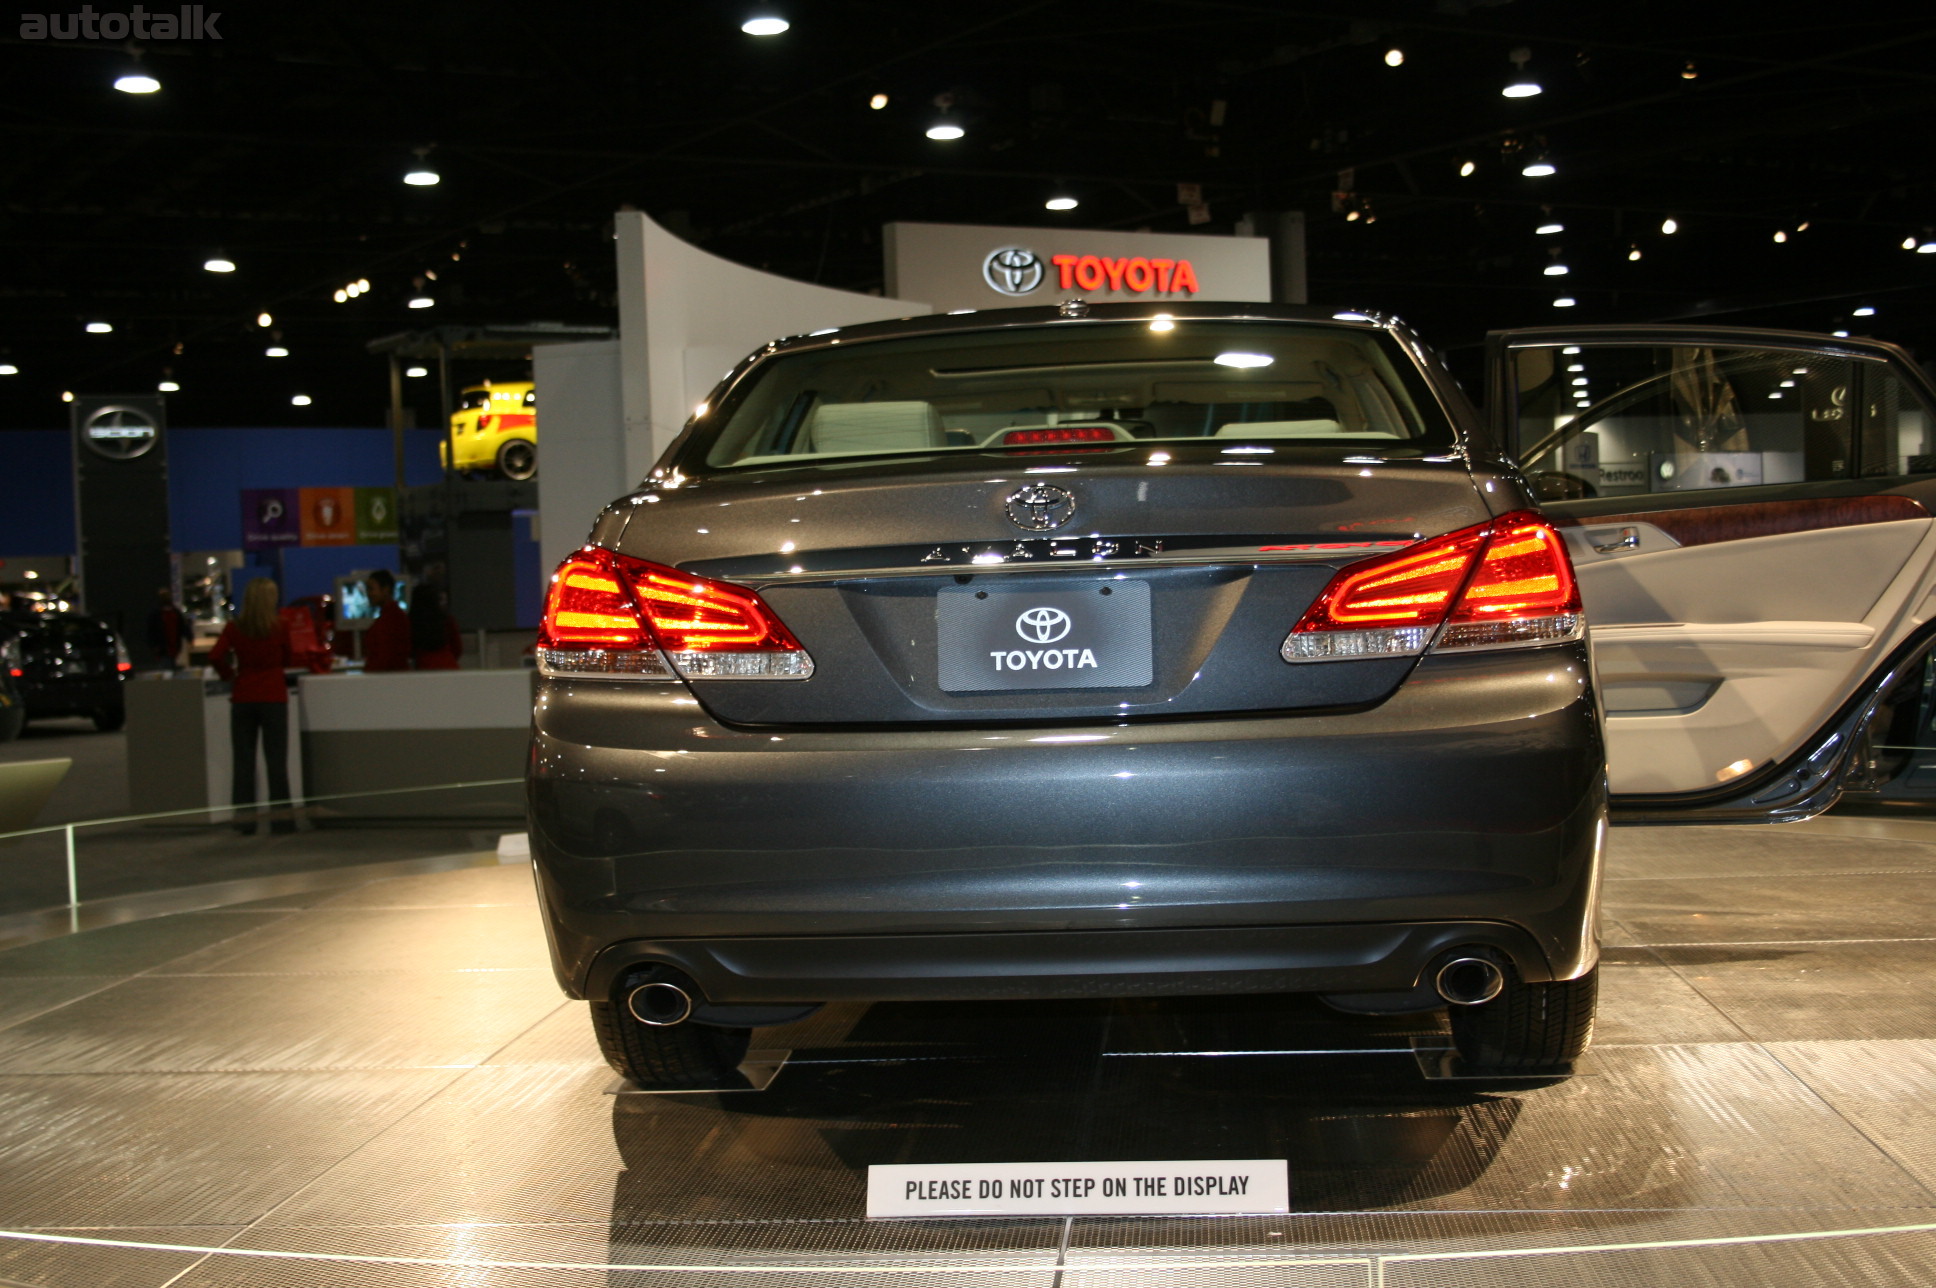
x: 380, y: 1083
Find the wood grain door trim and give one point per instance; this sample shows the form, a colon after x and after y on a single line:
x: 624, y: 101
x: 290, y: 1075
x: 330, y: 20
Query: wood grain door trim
x: 1708, y: 524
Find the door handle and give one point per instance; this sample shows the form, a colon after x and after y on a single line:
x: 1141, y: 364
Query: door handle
x: 1629, y: 539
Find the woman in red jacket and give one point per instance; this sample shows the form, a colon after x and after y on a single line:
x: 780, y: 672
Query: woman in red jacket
x: 251, y: 653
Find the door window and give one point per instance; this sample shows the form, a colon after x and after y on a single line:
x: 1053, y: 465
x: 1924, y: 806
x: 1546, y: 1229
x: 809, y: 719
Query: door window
x: 1897, y: 436
x: 1620, y: 420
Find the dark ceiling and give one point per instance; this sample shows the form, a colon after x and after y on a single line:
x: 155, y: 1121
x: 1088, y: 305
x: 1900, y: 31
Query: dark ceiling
x: 282, y: 145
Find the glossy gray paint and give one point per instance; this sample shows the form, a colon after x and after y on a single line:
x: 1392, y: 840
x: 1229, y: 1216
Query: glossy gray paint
x: 1240, y: 824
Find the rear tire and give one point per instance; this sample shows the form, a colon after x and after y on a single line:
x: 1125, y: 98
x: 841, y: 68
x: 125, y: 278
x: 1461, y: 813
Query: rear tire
x: 517, y: 459
x: 1529, y: 1028
x: 665, y: 1058
x: 108, y: 719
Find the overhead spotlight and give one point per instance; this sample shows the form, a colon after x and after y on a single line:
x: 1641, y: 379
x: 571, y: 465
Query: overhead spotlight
x: 945, y: 129
x: 275, y: 351
x: 415, y: 372
x: 1466, y: 168
x: 1061, y: 201
x: 1351, y: 216
x: 1394, y: 57
x: 67, y: 395
x: 99, y: 328
x: 219, y: 263
x: 1687, y: 70
x: 300, y: 400
x: 1538, y: 169
x: 1579, y: 380
x: 1522, y: 85
x: 1570, y: 349
x: 1866, y: 311
x: 1670, y: 226
x: 1556, y: 269
x: 422, y: 302
x: 1843, y: 334
x: 1162, y: 322
x: 764, y: 22
x: 362, y: 284
x: 168, y: 387
x: 1781, y: 235
x: 1547, y: 230
x: 1927, y: 248
x: 1802, y: 227
x: 8, y: 369
x: 263, y: 319
x: 1909, y: 243
x: 137, y: 83
x: 422, y: 174
x: 1633, y: 253
x: 877, y: 102
x: 341, y: 296
x: 1576, y: 366
x: 1565, y: 302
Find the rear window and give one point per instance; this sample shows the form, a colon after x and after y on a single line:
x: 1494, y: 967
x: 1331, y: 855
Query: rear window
x: 1075, y: 386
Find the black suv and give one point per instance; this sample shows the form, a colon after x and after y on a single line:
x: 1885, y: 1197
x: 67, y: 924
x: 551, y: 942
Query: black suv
x: 66, y: 664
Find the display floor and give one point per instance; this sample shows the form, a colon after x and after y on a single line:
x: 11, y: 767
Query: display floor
x: 380, y: 1084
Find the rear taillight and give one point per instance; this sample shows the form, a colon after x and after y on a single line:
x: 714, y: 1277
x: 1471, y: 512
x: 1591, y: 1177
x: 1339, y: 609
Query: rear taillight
x: 1494, y: 585
x: 1058, y: 434
x: 620, y: 618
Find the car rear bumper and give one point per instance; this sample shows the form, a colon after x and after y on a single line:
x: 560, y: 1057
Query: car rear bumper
x: 1333, y: 853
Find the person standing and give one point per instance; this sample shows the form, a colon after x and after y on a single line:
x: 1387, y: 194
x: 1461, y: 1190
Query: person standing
x: 251, y: 653
x: 435, y: 641
x: 386, y: 644
x: 167, y: 629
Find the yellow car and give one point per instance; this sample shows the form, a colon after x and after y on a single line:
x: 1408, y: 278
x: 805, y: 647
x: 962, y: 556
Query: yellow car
x: 495, y: 427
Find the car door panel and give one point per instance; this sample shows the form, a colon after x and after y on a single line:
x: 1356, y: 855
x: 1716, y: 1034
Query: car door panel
x: 1731, y: 624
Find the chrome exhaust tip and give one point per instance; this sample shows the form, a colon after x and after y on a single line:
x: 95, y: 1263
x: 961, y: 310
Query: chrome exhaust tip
x: 1469, y: 981
x: 659, y: 1004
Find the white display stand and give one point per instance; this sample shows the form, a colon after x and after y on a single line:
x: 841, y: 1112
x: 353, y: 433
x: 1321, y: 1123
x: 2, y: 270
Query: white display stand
x: 610, y: 408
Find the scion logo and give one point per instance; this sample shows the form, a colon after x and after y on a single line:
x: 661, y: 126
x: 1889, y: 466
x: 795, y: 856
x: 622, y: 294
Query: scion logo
x: 1013, y: 270
x: 1042, y: 625
x: 119, y: 433
x: 1040, y: 507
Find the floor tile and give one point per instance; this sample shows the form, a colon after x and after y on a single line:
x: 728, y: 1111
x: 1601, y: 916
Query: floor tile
x: 1804, y: 992
x: 1895, y: 905
x: 334, y: 940
x: 130, y: 947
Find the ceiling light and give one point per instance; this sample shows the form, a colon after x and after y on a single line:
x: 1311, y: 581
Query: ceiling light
x: 1927, y: 248
x: 1466, y: 168
x: 1802, y: 227
x: 341, y: 297
x: 275, y: 351
x: 1787, y: 384
x: 1571, y: 348
x: 1565, y: 302
x: 1242, y: 360
x: 67, y: 395
x: 263, y: 319
x: 169, y: 387
x: 1687, y: 70
x: 300, y: 400
x: 877, y: 102
x: 1352, y: 216
x: 1909, y: 243
x: 1061, y: 201
x: 219, y: 264
x: 1547, y: 230
x: 764, y: 22
x: 99, y: 328
x: 1394, y: 57
x: 1538, y: 169
x: 422, y: 174
x: 414, y: 372
x: 1781, y: 235
x: 1866, y: 311
x: 422, y: 302
x: 1162, y: 322
x: 8, y: 369
x: 945, y: 129
x: 1579, y: 380
x: 137, y: 83
x: 1522, y: 87
x: 1576, y: 366
x: 1633, y: 253
x: 1670, y: 226
x: 1557, y: 270
x: 362, y: 284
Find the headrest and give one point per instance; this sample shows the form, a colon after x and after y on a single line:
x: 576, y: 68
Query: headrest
x: 874, y: 427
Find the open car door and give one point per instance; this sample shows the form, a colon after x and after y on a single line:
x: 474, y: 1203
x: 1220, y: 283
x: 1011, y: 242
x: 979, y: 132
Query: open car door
x: 1750, y: 516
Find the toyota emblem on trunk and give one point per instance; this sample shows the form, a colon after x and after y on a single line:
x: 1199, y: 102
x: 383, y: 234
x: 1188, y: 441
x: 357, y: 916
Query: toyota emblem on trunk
x: 1040, y: 507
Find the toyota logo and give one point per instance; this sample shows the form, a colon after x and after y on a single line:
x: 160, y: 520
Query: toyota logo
x: 1040, y: 507
x: 1013, y: 270
x: 1043, y: 625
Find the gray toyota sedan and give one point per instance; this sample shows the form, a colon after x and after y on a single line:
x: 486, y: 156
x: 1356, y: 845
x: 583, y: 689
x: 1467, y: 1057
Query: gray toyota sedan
x: 1072, y: 652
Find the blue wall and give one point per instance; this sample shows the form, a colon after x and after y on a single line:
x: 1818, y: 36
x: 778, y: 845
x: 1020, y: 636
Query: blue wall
x: 207, y: 472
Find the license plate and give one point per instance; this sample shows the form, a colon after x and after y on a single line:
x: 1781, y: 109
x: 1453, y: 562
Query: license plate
x: 1080, y: 635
